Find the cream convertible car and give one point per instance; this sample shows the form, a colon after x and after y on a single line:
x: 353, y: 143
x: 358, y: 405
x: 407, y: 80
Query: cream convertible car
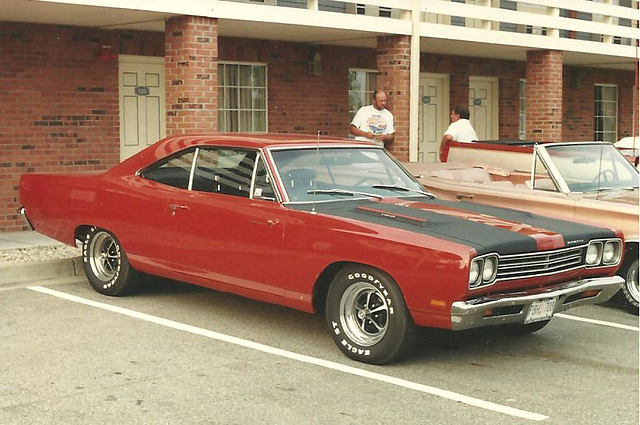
x: 586, y: 181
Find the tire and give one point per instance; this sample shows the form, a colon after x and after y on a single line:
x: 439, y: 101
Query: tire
x: 367, y: 316
x: 106, y: 265
x: 629, y: 293
x: 529, y: 328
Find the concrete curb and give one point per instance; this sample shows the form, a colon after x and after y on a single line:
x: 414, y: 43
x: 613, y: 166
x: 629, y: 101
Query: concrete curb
x: 16, y: 273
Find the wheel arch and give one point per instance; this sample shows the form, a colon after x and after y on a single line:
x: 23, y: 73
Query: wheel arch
x: 81, y: 232
x: 321, y: 286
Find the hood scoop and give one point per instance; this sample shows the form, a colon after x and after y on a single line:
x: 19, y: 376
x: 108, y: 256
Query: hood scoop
x: 402, y: 218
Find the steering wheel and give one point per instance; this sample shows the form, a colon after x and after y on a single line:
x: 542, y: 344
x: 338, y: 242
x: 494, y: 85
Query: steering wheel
x: 372, y: 180
x: 605, y: 175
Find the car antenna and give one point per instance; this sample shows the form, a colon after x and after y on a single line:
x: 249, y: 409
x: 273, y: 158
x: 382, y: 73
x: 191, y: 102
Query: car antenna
x: 313, y: 177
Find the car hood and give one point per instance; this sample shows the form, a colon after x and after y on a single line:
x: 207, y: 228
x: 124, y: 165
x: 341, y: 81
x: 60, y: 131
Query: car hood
x: 481, y: 227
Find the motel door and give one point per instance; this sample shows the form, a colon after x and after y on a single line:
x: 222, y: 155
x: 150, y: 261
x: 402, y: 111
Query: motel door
x: 483, y: 107
x: 142, y: 103
x: 433, y: 116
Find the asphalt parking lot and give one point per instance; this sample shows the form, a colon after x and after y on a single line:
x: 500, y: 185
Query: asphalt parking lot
x: 176, y: 353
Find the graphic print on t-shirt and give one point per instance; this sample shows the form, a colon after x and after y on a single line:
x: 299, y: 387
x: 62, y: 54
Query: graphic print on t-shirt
x: 376, y: 124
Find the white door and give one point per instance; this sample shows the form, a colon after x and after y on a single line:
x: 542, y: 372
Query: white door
x: 433, y: 115
x: 142, y: 103
x: 483, y: 107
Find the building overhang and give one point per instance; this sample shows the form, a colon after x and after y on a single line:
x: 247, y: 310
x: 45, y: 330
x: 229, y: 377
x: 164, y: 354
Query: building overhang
x: 279, y: 23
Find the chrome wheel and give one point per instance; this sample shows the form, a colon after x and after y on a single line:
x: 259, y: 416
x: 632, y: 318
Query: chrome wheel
x: 104, y: 256
x: 364, y: 314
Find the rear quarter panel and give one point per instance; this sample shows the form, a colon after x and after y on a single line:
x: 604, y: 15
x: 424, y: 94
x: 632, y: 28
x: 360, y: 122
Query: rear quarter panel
x: 518, y: 157
x: 56, y: 204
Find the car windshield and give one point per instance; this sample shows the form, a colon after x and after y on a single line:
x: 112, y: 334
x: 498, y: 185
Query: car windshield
x: 591, y: 167
x: 319, y: 174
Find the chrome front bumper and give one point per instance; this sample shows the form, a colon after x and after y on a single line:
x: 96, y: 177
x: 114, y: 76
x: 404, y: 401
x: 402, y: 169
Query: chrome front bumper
x: 23, y: 214
x: 503, y: 309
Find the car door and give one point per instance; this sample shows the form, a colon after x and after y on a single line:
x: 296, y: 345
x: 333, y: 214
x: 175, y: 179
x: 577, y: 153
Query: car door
x: 228, y: 228
x: 142, y: 204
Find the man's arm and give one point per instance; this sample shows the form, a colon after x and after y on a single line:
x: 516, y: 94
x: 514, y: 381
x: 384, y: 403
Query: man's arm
x: 360, y: 133
x: 447, y: 138
x: 386, y: 138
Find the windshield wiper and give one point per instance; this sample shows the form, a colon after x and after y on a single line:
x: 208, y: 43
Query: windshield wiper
x: 403, y: 189
x: 342, y: 192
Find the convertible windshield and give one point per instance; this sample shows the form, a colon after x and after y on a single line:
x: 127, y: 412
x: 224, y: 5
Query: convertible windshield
x: 591, y: 167
x: 318, y: 174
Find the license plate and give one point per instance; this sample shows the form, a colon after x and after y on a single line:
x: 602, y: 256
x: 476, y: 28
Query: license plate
x: 540, y: 310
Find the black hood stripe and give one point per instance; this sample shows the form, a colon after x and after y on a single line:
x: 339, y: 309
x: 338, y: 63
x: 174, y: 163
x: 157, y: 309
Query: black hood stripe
x: 484, y: 238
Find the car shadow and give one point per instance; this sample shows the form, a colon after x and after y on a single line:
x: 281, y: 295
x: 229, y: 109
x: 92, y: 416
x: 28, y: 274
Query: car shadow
x: 310, y: 330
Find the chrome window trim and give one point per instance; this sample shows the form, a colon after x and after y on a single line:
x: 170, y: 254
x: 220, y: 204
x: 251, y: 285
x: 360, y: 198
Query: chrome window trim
x: 262, y: 157
x: 552, y: 170
x: 193, y: 168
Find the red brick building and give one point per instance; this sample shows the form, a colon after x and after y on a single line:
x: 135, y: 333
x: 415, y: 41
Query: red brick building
x: 83, y: 85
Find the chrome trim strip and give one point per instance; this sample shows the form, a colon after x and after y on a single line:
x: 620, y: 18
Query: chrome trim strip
x: 469, y: 314
x: 193, y: 168
x: 23, y: 214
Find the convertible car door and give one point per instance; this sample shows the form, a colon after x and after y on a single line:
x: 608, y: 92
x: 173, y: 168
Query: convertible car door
x: 219, y: 233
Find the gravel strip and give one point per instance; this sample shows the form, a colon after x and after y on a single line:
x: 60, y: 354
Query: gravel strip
x: 36, y: 254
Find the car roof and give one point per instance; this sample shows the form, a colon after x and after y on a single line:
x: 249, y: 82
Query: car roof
x: 260, y: 140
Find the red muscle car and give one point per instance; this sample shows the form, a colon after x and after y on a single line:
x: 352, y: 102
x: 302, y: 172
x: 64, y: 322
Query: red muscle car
x: 325, y: 225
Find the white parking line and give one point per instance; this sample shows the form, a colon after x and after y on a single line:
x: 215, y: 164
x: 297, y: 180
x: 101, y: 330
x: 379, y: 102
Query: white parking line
x: 298, y: 357
x: 597, y: 322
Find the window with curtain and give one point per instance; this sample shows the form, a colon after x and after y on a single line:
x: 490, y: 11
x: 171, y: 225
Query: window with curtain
x: 605, y: 127
x: 242, y: 97
x: 362, y: 84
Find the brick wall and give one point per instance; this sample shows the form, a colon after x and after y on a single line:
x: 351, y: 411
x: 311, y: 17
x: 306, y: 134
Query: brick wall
x: 394, y: 65
x: 299, y: 102
x: 579, y: 95
x: 58, y: 102
x: 59, y: 94
x: 544, y: 95
x: 191, y: 74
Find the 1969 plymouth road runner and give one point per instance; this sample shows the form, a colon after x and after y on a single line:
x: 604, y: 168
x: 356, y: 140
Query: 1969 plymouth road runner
x: 322, y: 225
x: 589, y: 181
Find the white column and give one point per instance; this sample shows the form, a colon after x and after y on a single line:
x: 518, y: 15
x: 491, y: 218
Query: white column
x: 312, y: 4
x: 608, y: 19
x: 554, y: 12
x: 414, y: 84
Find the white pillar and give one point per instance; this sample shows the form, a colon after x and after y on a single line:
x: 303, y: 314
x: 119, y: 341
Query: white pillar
x: 414, y: 85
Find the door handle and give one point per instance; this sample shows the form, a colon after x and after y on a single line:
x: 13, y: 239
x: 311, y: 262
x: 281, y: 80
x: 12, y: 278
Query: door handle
x: 273, y: 222
x: 175, y: 207
x: 461, y: 196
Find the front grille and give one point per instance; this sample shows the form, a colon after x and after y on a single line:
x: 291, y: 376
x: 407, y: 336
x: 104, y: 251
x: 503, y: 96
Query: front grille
x: 520, y: 266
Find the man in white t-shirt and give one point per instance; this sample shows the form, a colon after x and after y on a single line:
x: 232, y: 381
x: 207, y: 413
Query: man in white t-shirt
x: 460, y: 129
x: 374, y: 123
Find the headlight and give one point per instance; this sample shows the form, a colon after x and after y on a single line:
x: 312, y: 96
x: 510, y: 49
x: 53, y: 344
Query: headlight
x: 483, y: 271
x: 474, y: 273
x: 490, y: 269
x: 611, y: 252
x: 594, y: 253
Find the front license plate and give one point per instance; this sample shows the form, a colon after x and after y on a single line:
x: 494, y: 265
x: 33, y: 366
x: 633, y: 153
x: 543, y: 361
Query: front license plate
x: 540, y: 310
